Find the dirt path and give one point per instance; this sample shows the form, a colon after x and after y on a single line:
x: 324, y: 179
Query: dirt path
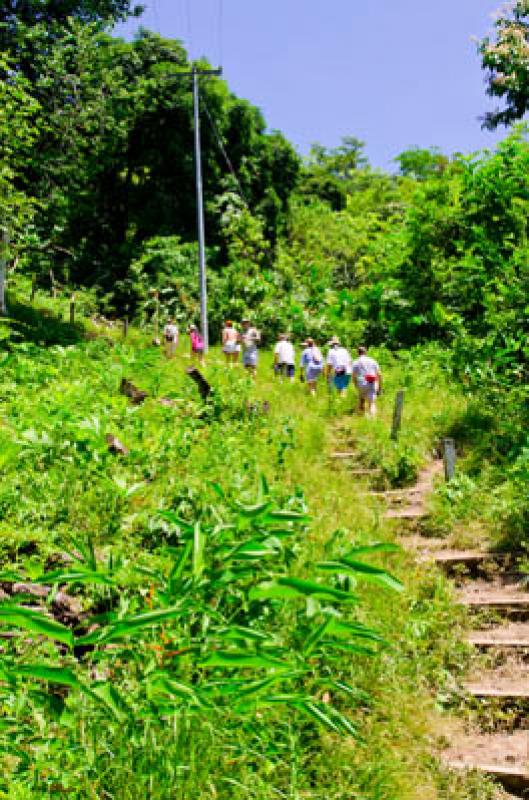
x: 495, y: 740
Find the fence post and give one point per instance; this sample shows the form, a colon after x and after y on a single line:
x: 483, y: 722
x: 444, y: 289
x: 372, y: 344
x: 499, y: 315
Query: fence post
x: 449, y: 458
x: 53, y: 288
x: 156, y: 316
x: 72, y: 310
x: 397, y: 414
x: 33, y: 288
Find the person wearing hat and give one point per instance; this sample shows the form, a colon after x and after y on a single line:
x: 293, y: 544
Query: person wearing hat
x: 284, y: 357
x: 197, y: 344
x: 339, y: 365
x: 312, y: 364
x: 170, y: 334
x: 368, y: 381
x: 230, y: 343
x: 250, y: 338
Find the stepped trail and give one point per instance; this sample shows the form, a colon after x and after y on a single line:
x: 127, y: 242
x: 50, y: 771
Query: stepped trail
x: 496, y: 741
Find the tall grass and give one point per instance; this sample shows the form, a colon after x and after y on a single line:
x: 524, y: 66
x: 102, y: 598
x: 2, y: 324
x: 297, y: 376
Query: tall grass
x: 252, y: 559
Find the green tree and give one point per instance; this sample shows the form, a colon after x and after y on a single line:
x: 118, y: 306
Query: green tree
x: 421, y: 163
x: 504, y: 57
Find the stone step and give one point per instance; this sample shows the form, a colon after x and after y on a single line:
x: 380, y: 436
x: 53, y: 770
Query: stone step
x: 502, y: 756
x: 509, y: 636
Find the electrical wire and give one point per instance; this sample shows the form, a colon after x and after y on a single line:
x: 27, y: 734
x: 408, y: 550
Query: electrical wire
x: 222, y: 149
x: 220, y: 31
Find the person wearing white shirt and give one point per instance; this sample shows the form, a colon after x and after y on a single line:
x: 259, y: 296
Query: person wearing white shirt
x: 284, y: 357
x: 170, y: 334
x: 368, y: 381
x: 339, y: 366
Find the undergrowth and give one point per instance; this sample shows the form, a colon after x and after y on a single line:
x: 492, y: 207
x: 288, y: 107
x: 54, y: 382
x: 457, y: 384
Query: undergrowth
x: 246, y: 625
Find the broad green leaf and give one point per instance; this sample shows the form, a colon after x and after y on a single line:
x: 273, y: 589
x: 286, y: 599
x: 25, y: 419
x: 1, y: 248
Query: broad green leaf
x: 198, y: 551
x: 112, y: 700
x: 251, y: 511
x: 170, y: 516
x: 36, y: 623
x: 250, y: 550
x: 127, y: 626
x: 315, y: 711
x: 286, y: 516
x: 347, y: 566
x: 233, y: 658
x: 376, y: 547
x: 180, y: 563
x: 239, y: 632
x: 75, y: 576
x: 60, y: 675
x: 312, y: 640
x: 287, y: 588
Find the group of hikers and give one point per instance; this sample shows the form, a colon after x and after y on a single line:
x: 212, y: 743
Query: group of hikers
x: 338, y: 367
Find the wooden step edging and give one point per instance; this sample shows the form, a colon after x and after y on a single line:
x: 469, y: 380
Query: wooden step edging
x: 499, y: 692
x: 514, y: 777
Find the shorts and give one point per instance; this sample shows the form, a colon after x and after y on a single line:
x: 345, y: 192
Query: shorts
x: 230, y: 347
x: 313, y: 373
x: 342, y: 381
x: 249, y: 358
x: 368, y: 391
x: 285, y: 369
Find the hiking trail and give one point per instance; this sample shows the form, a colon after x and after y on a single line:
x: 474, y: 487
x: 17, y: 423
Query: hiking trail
x: 495, y: 739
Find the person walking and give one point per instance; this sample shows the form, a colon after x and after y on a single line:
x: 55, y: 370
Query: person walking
x: 339, y: 367
x: 250, y: 338
x: 312, y: 364
x: 197, y: 345
x: 230, y: 343
x: 284, y: 357
x: 170, y: 335
x: 368, y: 381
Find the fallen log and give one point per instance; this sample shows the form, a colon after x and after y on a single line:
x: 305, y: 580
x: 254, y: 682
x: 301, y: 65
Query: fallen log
x: 137, y: 396
x: 203, y: 386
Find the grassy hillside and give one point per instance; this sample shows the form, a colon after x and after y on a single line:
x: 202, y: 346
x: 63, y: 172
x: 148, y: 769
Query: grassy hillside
x: 152, y: 706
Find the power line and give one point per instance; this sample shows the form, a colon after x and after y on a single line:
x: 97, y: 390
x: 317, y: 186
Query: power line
x: 223, y: 150
x: 220, y: 22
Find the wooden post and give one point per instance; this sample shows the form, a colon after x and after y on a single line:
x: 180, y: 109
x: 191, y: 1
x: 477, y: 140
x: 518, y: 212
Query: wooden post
x: 156, y: 316
x: 53, y: 290
x: 397, y: 414
x: 449, y: 458
x: 33, y: 288
x: 72, y: 310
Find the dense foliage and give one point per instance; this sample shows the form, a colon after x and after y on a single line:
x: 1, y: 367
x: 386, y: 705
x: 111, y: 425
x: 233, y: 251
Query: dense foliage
x: 505, y: 57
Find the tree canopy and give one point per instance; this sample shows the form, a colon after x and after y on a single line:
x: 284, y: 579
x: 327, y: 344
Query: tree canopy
x: 505, y: 57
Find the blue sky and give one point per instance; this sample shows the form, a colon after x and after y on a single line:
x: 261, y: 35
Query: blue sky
x: 395, y: 73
